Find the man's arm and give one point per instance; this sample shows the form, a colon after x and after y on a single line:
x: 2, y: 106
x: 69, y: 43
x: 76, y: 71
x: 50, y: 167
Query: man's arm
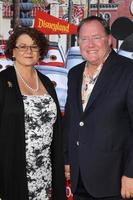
x: 127, y: 178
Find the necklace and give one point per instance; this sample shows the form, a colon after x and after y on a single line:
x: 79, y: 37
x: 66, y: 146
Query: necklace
x: 26, y: 84
x: 94, y: 76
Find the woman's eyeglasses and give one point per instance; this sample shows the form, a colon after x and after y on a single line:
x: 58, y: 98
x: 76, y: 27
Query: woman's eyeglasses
x: 23, y: 48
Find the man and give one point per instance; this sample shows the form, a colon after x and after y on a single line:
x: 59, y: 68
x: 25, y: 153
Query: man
x: 98, y: 122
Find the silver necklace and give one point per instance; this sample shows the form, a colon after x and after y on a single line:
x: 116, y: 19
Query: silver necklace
x: 26, y: 84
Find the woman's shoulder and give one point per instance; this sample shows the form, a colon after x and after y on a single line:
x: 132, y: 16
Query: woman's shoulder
x: 45, y: 78
x: 8, y: 71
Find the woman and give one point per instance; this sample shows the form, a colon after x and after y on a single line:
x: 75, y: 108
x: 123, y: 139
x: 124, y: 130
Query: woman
x: 31, y: 155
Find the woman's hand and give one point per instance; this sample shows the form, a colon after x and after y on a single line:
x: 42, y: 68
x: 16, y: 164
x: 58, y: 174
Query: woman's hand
x: 67, y: 172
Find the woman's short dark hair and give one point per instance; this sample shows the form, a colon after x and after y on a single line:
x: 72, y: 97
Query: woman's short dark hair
x: 102, y: 21
x: 37, y: 36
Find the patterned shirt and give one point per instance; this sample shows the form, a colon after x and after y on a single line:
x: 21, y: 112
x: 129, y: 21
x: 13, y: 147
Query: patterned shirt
x: 88, y: 84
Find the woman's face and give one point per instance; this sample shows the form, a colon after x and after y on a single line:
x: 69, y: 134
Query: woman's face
x: 26, y: 52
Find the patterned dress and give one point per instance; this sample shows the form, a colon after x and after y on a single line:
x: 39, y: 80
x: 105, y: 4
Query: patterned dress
x: 40, y: 115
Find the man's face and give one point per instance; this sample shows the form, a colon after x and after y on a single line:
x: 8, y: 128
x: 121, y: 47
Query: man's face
x: 94, y: 42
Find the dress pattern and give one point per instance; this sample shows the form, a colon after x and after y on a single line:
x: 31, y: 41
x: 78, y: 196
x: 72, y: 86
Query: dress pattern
x: 40, y: 115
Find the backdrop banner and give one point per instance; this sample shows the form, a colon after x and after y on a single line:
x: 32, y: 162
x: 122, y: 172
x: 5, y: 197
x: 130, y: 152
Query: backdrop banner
x: 49, y: 24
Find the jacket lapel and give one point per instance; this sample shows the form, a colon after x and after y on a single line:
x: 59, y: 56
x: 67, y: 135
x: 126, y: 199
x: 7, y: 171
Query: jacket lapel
x: 79, y: 86
x: 46, y: 82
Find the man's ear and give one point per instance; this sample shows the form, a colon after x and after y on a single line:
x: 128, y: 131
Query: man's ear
x: 78, y: 41
x: 110, y: 40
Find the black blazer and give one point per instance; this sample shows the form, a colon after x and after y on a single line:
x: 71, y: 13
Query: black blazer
x: 99, y: 141
x: 13, y: 182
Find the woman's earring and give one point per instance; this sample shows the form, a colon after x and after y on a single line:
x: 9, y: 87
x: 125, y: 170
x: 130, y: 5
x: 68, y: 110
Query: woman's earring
x: 13, y: 58
x: 38, y: 63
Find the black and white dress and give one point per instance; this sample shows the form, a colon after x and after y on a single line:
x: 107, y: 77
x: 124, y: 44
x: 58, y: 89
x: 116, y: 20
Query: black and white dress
x: 40, y: 115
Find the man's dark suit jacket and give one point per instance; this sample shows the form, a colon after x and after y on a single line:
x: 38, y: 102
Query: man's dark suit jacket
x: 99, y: 141
x: 13, y: 181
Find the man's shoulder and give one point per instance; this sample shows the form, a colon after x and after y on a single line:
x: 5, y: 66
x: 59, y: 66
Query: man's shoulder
x: 120, y: 61
x: 123, y: 59
x: 126, y: 63
x: 78, y: 68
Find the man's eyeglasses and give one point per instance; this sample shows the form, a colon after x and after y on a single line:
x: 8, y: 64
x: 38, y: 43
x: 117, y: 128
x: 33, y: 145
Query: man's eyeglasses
x: 95, y: 39
x: 23, y: 48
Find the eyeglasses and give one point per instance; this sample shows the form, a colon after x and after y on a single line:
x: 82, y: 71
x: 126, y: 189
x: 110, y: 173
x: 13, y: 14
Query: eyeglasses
x: 95, y: 39
x: 23, y: 48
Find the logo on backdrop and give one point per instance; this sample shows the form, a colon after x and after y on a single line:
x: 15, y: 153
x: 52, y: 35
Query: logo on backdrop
x: 49, y: 24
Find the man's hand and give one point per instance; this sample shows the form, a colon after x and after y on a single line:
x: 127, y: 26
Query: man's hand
x: 67, y: 172
x: 126, y: 187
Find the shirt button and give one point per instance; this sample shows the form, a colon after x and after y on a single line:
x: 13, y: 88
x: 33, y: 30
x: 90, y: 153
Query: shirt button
x: 77, y: 143
x: 81, y: 123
